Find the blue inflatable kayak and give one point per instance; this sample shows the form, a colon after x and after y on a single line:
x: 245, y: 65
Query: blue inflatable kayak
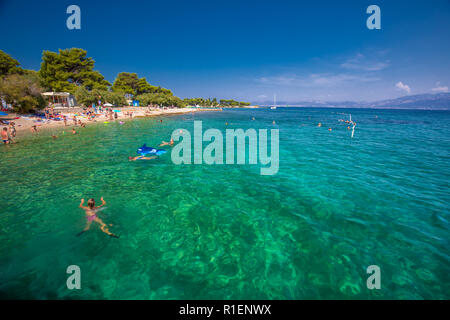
x: 144, y: 150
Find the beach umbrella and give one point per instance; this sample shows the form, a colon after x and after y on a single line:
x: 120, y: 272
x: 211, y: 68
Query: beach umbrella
x: 116, y: 110
x: 108, y: 105
x: 3, y: 113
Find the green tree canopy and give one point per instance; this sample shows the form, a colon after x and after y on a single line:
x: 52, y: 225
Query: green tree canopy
x: 8, y: 65
x: 69, y: 69
x: 130, y: 83
x: 160, y: 99
x: 23, y: 92
x: 213, y: 102
x: 233, y: 103
x: 115, y: 98
x: 86, y: 97
x: 126, y: 82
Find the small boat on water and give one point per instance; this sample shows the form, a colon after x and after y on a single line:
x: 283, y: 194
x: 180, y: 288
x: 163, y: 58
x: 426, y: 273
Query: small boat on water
x: 274, y: 107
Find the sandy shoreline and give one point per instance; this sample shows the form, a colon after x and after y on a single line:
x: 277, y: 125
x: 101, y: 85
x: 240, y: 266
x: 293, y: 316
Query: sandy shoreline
x: 25, y: 122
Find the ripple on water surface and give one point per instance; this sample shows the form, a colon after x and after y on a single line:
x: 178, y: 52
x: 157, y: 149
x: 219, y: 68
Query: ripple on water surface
x: 336, y: 206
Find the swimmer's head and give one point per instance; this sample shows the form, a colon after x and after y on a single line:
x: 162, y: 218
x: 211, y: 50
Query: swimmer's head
x: 91, y: 203
x: 130, y: 158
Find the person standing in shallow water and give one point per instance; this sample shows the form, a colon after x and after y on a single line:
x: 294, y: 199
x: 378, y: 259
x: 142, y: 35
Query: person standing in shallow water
x: 5, y: 137
x: 91, y: 215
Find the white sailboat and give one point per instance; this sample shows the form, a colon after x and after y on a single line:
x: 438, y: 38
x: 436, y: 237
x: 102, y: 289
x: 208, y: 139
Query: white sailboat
x: 274, y: 102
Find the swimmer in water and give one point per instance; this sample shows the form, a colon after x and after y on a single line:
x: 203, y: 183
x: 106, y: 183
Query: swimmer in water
x: 91, y: 215
x: 73, y: 131
x: 163, y: 143
x: 141, y: 158
x: 319, y: 124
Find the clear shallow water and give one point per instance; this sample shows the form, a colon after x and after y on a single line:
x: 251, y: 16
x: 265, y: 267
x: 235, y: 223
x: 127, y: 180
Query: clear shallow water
x: 336, y: 206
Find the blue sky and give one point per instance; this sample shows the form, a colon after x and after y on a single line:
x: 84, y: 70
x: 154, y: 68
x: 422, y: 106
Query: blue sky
x: 247, y: 50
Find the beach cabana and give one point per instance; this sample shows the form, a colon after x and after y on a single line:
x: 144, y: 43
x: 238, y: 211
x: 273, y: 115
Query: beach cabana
x: 60, y: 99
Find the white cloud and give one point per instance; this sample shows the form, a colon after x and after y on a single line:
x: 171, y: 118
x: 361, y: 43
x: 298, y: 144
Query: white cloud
x: 399, y: 85
x: 440, y: 89
x: 316, y: 79
x: 360, y: 62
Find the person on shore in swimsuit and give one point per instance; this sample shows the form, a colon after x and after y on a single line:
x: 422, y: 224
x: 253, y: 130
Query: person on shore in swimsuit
x: 34, y: 129
x: 5, y: 135
x: 141, y: 158
x: 163, y: 143
x: 12, y: 129
x: 91, y: 215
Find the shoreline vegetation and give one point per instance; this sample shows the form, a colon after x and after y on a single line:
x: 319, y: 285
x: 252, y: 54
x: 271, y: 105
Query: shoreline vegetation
x: 71, y: 71
x: 27, y: 97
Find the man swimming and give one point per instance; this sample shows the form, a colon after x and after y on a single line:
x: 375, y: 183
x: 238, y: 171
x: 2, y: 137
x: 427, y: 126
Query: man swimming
x: 91, y: 215
x: 141, y: 158
x: 163, y: 143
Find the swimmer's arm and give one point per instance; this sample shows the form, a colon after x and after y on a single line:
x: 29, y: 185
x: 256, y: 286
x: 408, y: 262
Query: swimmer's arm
x: 148, y: 158
x: 81, y: 205
x: 103, y: 203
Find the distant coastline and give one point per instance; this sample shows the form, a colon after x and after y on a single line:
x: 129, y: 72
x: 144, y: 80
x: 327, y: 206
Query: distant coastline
x: 438, y: 101
x: 356, y: 107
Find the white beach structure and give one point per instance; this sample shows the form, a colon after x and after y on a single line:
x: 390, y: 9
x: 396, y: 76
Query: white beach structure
x: 60, y: 99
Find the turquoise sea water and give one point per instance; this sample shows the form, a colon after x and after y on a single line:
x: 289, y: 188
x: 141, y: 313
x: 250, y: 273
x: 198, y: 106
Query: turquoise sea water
x: 336, y: 206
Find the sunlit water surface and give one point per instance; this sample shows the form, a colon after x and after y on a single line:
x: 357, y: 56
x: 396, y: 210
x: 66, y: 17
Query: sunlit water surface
x: 336, y: 206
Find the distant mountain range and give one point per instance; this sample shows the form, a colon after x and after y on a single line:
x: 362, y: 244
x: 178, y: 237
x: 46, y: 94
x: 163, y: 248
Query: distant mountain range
x: 427, y: 101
